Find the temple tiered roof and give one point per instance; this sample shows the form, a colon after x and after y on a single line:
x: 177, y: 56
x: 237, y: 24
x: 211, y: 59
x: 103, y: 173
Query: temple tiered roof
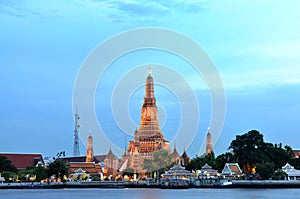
x: 177, y: 171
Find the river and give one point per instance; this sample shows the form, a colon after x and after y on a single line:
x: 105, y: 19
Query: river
x: 149, y: 193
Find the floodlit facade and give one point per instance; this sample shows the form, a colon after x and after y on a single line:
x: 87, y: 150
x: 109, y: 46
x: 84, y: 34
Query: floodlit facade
x: 148, y: 138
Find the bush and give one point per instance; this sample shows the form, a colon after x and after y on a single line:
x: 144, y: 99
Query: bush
x: 9, y: 176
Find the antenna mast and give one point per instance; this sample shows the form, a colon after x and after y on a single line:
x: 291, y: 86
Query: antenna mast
x: 76, y: 151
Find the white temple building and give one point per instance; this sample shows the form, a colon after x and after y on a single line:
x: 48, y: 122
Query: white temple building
x: 292, y: 173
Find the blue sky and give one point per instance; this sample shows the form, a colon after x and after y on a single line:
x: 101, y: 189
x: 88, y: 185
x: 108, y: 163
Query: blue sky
x: 255, y: 46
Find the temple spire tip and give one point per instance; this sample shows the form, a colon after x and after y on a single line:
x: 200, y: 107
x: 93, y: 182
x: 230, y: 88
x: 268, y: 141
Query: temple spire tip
x: 149, y: 71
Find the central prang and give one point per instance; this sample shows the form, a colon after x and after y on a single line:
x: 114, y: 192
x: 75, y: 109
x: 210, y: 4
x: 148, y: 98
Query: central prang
x: 148, y: 138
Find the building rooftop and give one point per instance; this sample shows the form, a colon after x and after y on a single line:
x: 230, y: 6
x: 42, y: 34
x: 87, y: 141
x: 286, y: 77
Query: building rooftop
x: 97, y: 159
x: 92, y: 168
x: 22, y: 161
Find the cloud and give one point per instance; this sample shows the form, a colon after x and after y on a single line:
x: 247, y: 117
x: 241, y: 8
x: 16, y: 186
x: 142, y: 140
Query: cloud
x: 146, y: 11
x: 24, y: 9
x: 114, y: 11
x: 148, y: 8
x: 16, y: 9
x: 12, y: 8
x: 187, y: 6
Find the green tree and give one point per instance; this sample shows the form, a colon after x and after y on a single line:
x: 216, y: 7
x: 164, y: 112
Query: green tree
x: 222, y: 159
x: 9, y: 176
x: 58, y: 168
x: 295, y: 162
x: 247, y: 150
x: 6, y: 165
x: 198, y: 162
x: 148, y: 165
x: 279, y: 175
x: 40, y: 173
x: 289, y: 151
x: 161, y: 161
x: 277, y: 155
x: 265, y: 170
x: 60, y: 154
x: 128, y: 172
x: 25, y: 174
x: 252, y: 153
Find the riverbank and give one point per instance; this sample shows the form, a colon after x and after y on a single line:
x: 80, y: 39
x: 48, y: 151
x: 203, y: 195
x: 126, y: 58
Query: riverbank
x: 126, y: 184
x: 266, y: 183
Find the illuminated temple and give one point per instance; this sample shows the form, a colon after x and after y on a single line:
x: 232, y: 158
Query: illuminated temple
x: 148, y: 138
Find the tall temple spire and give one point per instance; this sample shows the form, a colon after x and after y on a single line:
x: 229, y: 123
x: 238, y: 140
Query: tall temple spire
x: 90, y: 150
x: 209, y: 148
x: 148, y: 137
x: 149, y: 125
x: 76, y: 151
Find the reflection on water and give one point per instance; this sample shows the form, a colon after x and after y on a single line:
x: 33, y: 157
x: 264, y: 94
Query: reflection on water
x: 150, y: 194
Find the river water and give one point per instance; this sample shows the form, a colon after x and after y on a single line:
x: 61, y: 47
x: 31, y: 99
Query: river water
x: 150, y: 193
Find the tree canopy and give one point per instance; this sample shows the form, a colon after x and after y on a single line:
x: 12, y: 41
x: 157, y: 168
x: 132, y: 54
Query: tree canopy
x: 253, y: 155
x: 58, y: 168
x: 199, y: 162
x: 6, y: 165
x: 161, y: 160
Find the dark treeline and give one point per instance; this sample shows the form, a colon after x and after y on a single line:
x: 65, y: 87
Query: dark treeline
x: 254, y: 155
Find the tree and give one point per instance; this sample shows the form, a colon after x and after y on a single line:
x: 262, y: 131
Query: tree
x: 252, y: 153
x: 279, y: 175
x: 278, y: 155
x: 295, y: 162
x: 247, y: 149
x: 61, y: 154
x: 289, y: 151
x: 148, y: 165
x: 128, y: 172
x: 40, y: 173
x: 265, y: 170
x: 198, y: 162
x: 222, y: 159
x: 6, y: 165
x: 161, y: 161
x: 9, y: 176
x: 58, y: 168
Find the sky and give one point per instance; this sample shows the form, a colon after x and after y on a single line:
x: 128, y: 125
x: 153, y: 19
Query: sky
x: 254, y: 45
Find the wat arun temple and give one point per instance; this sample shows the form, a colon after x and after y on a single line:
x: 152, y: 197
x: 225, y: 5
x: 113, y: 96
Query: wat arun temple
x: 148, y: 138
x: 147, y: 141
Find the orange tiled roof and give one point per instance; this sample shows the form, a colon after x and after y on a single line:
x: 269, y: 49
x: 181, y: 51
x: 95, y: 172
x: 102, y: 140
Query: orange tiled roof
x: 90, y: 167
x: 234, y: 168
